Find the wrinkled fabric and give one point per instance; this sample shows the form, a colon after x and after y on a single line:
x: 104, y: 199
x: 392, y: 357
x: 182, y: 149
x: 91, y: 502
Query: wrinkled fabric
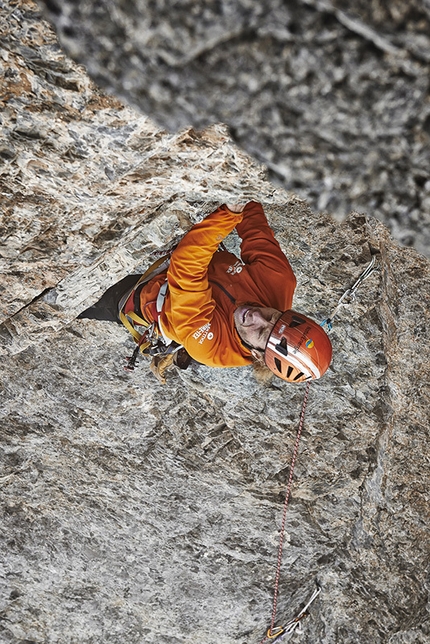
x: 206, y: 286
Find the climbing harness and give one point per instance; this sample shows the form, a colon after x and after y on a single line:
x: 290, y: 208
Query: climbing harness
x: 350, y: 293
x: 149, y: 337
x: 278, y: 633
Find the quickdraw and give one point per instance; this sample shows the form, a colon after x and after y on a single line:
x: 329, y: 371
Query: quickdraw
x: 294, y: 624
x: 349, y: 295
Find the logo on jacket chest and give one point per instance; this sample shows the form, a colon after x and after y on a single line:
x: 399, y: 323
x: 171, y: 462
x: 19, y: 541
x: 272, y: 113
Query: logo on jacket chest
x: 235, y: 268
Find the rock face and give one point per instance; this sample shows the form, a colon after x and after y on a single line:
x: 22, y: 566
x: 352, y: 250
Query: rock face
x: 332, y: 95
x: 133, y: 512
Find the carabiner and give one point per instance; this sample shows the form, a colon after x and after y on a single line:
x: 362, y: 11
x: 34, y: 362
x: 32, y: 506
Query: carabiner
x: 274, y: 636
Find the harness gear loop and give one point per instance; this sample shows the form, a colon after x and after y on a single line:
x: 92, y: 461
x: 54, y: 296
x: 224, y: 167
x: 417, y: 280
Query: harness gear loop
x: 142, y: 345
x: 350, y: 293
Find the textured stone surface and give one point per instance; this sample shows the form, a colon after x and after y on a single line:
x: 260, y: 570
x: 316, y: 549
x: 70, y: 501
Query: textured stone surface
x: 332, y: 95
x: 132, y: 512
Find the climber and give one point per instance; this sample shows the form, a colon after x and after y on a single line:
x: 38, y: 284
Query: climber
x: 224, y: 311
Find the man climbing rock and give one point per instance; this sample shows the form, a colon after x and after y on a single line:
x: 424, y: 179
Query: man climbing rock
x: 220, y: 310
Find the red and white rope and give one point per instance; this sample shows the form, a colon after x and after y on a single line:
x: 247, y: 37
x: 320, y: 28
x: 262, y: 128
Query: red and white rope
x: 271, y: 633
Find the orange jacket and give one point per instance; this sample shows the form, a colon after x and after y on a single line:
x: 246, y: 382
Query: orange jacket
x: 205, y: 286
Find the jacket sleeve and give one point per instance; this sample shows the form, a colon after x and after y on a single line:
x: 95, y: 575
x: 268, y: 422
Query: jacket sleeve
x: 192, y: 310
x: 258, y: 241
x: 265, y: 261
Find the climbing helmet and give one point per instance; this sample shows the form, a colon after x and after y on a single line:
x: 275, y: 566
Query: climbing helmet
x: 298, y: 348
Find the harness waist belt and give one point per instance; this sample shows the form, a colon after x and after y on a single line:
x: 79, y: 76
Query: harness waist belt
x: 136, y: 297
x: 160, y: 301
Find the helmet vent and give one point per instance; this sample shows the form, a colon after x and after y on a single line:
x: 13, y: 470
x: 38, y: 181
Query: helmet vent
x: 299, y: 375
x: 296, y: 321
x: 282, y: 347
x: 278, y: 365
x: 289, y: 371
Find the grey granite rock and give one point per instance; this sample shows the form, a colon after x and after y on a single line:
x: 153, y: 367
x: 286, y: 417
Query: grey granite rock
x: 132, y: 512
x: 331, y: 95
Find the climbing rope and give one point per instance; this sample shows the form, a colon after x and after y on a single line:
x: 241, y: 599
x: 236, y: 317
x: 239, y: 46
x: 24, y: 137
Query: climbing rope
x: 277, y: 633
x: 272, y: 632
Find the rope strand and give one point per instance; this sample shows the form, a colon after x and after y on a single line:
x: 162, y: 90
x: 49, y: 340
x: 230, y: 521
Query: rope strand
x: 270, y: 633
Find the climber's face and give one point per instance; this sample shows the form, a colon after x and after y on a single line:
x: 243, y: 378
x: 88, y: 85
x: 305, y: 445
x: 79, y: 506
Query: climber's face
x: 255, y: 323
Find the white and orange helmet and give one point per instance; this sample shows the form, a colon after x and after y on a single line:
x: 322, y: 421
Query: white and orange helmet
x: 298, y: 348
